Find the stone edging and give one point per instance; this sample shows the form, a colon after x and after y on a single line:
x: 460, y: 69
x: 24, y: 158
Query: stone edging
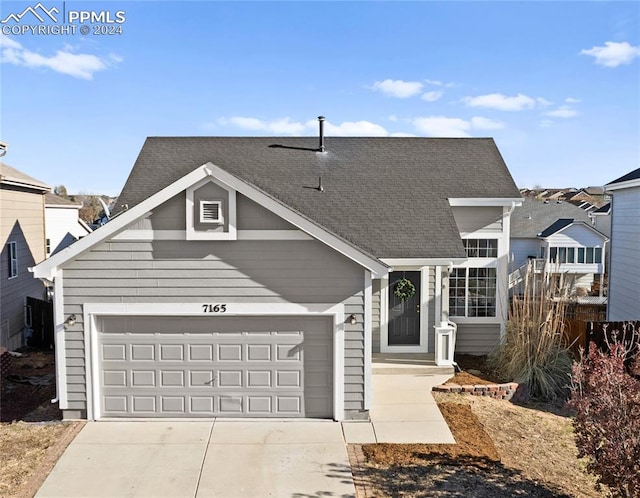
x: 360, y: 480
x: 497, y: 391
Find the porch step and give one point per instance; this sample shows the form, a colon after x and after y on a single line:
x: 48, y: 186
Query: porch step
x: 407, y: 364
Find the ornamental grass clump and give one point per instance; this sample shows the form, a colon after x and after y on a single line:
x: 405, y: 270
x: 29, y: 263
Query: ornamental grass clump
x: 534, y: 350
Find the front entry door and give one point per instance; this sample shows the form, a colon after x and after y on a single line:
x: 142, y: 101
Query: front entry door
x: 404, y: 316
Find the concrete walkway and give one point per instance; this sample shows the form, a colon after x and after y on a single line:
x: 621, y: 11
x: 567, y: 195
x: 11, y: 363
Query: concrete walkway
x: 403, y: 411
x: 203, y: 459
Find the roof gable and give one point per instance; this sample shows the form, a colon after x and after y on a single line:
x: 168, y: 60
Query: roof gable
x: 387, y: 196
x: 47, y: 268
x: 534, y: 216
x: 12, y: 176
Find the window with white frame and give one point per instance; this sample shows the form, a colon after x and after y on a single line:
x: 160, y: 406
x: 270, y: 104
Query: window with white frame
x: 575, y: 255
x: 481, y: 248
x: 472, y: 292
x: 13, y: 259
x: 211, y: 212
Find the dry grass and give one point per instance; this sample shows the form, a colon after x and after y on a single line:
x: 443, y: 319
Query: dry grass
x: 23, y: 447
x: 534, y: 351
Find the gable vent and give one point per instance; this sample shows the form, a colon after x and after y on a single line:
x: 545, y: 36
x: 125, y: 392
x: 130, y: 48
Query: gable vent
x: 210, y: 212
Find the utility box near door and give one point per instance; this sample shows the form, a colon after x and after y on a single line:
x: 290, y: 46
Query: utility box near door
x: 445, y: 342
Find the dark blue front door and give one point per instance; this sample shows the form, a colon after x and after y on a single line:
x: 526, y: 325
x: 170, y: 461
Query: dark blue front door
x: 404, y: 316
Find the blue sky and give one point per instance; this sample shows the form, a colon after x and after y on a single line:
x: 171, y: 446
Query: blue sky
x: 557, y: 84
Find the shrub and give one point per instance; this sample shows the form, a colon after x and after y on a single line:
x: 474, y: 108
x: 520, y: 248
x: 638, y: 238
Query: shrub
x: 534, y: 349
x: 606, y: 398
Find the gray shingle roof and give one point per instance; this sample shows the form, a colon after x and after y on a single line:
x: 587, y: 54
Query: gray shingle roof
x: 557, y: 226
x: 633, y: 175
x: 387, y: 196
x: 51, y: 199
x: 533, y: 217
x: 8, y: 173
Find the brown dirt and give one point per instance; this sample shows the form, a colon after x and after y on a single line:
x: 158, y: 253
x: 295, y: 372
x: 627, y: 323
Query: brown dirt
x: 18, y: 401
x: 482, y: 372
x: 32, y: 437
x: 502, y: 450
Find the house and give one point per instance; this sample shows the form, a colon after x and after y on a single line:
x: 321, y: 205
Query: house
x: 257, y: 276
x: 558, y: 236
x: 22, y: 241
x: 624, y: 272
x: 63, y: 225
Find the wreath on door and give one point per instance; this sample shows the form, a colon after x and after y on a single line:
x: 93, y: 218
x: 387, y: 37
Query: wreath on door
x: 404, y: 289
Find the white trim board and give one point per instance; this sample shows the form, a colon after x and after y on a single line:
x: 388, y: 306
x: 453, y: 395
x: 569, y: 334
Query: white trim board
x: 145, y: 235
x: 94, y: 310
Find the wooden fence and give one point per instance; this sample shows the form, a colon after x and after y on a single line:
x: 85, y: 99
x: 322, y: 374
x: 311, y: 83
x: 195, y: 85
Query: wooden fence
x: 578, y: 316
x: 602, y: 334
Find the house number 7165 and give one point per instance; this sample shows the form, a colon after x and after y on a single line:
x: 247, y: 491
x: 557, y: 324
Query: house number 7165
x: 214, y: 308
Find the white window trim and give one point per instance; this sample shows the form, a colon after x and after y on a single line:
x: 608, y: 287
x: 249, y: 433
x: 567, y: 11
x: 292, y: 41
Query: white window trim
x: 219, y: 220
x: 94, y: 310
x: 423, y: 347
x: 478, y: 319
x: 13, y: 260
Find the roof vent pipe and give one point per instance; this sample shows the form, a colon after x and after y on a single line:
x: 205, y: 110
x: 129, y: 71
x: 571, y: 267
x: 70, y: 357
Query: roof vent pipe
x: 321, y: 123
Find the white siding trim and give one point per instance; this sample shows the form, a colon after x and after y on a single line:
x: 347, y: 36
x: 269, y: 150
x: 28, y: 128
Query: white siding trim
x: 368, y: 307
x: 481, y: 201
x: 403, y: 263
x: 93, y: 310
x: 438, y: 295
x: 384, y: 314
x: 60, y: 340
x: 191, y: 232
x: 241, y: 235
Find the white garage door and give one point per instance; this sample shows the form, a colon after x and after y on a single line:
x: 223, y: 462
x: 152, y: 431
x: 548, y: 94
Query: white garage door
x: 216, y: 366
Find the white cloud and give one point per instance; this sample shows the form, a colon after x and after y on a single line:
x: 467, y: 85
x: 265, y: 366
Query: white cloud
x: 434, y: 82
x: 571, y: 100
x: 543, y: 102
x: 546, y: 123
x: 440, y: 126
x: 402, y: 134
x: 393, y: 118
x: 284, y: 126
x: 398, y: 88
x: 432, y: 96
x: 501, y: 102
x: 613, y: 54
x: 352, y: 129
x: 564, y: 111
x: 479, y: 123
x: 64, y: 61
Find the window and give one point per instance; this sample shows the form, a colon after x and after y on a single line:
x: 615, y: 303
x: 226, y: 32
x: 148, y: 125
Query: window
x: 472, y: 292
x: 13, y: 259
x: 211, y: 212
x: 481, y: 248
x: 579, y: 255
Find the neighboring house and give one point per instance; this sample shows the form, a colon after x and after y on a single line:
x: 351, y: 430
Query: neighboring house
x: 22, y: 241
x: 601, y: 219
x: 256, y: 276
x: 558, y: 236
x: 624, y: 272
x: 63, y: 225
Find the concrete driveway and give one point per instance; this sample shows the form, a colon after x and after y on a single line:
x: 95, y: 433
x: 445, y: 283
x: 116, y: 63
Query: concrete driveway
x: 204, y: 459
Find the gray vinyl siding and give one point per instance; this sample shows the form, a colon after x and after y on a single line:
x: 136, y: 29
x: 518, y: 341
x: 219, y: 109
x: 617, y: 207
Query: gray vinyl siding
x: 237, y: 271
x: 252, y: 216
x: 477, y: 339
x: 471, y: 219
x: 521, y: 249
x: 171, y: 215
x: 375, y: 315
x: 624, y: 272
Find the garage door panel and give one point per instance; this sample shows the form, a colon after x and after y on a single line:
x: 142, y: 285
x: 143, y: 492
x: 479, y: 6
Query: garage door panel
x: 232, y: 366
